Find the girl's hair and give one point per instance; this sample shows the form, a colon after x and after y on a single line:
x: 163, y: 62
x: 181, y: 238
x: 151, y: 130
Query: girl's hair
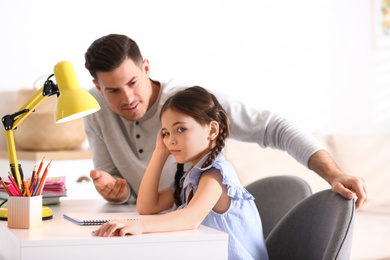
x: 203, y: 107
x: 108, y: 53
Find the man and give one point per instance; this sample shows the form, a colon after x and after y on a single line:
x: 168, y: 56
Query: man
x: 122, y: 134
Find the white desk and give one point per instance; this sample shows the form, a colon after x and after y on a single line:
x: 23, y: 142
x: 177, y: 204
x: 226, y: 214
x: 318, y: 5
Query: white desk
x: 59, y: 238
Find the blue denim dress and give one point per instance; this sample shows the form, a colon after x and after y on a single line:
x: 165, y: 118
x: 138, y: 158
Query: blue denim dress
x: 241, y: 221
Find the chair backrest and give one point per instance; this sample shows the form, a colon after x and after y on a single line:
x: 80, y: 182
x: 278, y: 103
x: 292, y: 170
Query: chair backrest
x: 319, y: 227
x: 275, y: 196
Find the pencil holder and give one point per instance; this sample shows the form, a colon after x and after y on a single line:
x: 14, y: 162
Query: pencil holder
x: 24, y: 212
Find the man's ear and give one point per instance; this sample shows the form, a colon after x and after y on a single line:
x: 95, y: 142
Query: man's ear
x: 146, y: 67
x: 214, y: 130
x: 97, y: 86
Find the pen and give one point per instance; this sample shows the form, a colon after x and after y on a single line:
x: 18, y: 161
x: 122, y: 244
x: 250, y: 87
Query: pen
x: 15, y: 176
x: 21, y: 173
x: 5, y: 187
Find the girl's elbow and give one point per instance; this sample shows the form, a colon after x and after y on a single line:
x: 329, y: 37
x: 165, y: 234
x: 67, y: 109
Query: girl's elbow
x: 195, y: 226
x: 195, y: 223
x: 147, y: 209
x: 143, y: 210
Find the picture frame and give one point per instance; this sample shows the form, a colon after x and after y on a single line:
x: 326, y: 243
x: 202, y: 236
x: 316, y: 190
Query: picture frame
x: 381, y: 24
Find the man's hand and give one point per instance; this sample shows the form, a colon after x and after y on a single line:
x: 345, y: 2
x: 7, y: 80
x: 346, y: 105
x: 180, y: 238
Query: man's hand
x: 113, y: 190
x: 345, y: 185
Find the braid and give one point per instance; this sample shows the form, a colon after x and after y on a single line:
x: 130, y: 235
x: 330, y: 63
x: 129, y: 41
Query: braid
x: 178, y: 175
x: 224, y: 130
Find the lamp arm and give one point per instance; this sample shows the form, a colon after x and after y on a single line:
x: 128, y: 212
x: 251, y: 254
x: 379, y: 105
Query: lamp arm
x: 13, y: 162
x: 10, y: 123
x: 48, y: 89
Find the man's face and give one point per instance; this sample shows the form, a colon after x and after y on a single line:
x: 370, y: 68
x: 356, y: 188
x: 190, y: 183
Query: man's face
x: 127, y: 89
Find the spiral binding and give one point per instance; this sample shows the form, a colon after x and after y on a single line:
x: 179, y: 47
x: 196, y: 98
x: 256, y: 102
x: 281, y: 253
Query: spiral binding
x: 99, y: 222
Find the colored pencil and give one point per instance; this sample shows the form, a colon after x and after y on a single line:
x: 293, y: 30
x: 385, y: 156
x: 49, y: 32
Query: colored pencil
x: 32, y: 177
x: 5, y: 187
x: 13, y: 182
x: 40, y: 167
x: 26, y: 188
x: 31, y: 187
x: 36, y: 181
x: 43, y: 179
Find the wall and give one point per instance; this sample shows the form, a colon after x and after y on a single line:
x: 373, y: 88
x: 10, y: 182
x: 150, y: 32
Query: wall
x: 312, y: 61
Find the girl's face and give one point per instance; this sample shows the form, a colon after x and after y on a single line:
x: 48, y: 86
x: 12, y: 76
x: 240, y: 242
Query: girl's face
x: 185, y: 138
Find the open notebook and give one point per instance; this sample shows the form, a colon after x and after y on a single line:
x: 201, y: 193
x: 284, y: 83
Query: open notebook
x: 88, y: 219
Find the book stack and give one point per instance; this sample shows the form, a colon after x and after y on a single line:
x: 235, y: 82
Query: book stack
x: 53, y: 189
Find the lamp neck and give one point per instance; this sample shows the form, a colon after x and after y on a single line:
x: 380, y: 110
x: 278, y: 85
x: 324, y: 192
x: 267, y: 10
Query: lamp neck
x: 50, y: 88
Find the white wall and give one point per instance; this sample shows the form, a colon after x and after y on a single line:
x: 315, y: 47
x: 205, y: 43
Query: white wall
x: 312, y: 61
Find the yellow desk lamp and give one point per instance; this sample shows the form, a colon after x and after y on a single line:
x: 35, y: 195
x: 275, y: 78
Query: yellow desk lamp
x: 73, y: 102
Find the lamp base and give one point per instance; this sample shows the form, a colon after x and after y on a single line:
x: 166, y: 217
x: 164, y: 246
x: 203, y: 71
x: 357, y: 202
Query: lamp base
x: 46, y: 213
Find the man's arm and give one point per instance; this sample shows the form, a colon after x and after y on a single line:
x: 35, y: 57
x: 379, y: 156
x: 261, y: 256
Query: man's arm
x: 341, y: 183
x: 108, y: 183
x: 271, y: 130
x: 268, y: 129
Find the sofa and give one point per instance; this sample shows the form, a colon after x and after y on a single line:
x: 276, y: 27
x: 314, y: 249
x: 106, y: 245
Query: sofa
x: 363, y: 156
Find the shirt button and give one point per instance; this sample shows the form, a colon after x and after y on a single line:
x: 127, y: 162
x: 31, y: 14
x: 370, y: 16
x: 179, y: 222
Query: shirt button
x: 140, y: 151
x: 136, y: 123
x: 138, y: 136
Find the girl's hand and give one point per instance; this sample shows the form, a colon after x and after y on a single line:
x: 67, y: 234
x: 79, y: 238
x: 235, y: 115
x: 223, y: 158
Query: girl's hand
x: 150, y: 198
x: 119, y: 228
x: 160, y: 146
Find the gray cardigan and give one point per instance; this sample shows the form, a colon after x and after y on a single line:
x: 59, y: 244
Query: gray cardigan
x: 123, y: 148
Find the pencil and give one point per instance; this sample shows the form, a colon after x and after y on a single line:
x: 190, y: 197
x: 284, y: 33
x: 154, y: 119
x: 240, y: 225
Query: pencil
x: 5, y: 187
x: 36, y: 180
x: 32, y: 177
x: 33, y: 183
x: 13, y: 191
x: 40, y: 167
x: 43, y: 179
x: 31, y: 186
x: 13, y: 182
x: 26, y: 188
x: 35, y: 188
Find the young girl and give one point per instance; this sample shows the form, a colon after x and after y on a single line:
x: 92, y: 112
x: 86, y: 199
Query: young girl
x: 194, y: 130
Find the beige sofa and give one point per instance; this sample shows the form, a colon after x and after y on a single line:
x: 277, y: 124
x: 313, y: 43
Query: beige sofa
x: 364, y: 156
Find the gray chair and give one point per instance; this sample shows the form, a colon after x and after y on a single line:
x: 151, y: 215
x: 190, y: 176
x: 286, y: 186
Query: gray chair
x: 275, y: 196
x: 319, y: 227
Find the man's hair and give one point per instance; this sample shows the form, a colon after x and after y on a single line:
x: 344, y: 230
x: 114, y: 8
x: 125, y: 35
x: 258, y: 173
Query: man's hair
x: 108, y: 53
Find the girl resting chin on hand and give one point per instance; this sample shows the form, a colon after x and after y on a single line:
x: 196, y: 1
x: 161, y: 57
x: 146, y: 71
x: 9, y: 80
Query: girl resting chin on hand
x: 194, y: 130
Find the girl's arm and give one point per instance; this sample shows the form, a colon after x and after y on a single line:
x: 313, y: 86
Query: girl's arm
x: 150, y: 200
x: 211, y: 194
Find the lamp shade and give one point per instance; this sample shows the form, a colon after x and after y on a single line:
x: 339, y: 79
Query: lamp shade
x: 73, y: 101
